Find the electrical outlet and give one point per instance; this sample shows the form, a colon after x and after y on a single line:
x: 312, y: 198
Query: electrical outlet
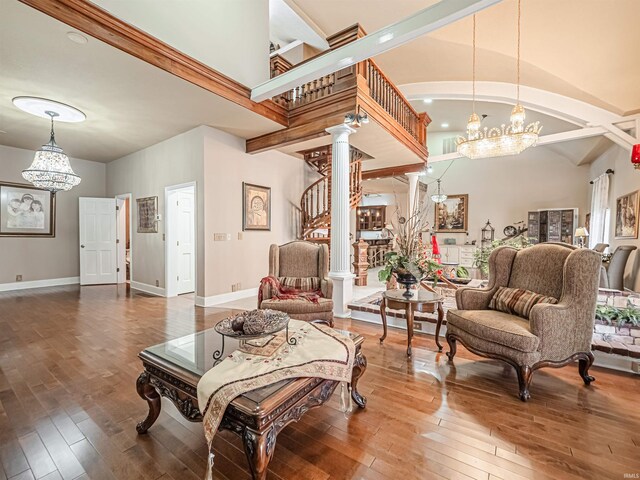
x: 157, y: 283
x: 18, y: 278
x: 238, y: 286
x: 635, y: 366
x: 163, y: 237
x: 417, y: 326
x: 221, y: 237
x: 240, y: 235
x: 233, y: 287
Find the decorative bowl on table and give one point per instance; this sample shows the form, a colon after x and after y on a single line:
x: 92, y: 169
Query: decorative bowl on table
x: 253, y: 324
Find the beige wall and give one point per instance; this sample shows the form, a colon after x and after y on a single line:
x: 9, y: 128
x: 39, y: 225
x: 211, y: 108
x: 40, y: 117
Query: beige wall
x: 146, y: 173
x: 47, y: 258
x: 231, y: 36
x: 504, y: 189
x: 226, y: 166
x: 625, y: 180
x: 217, y: 162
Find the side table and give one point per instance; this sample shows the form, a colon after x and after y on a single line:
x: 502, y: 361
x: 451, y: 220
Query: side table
x: 421, y: 301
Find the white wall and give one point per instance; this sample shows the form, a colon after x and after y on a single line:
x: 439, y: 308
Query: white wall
x: 47, y: 258
x: 625, y: 180
x: 231, y: 36
x: 226, y: 166
x: 504, y: 189
x: 146, y: 173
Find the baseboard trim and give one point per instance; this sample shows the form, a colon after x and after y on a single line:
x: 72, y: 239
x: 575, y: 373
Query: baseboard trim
x: 50, y: 282
x: 143, y: 287
x: 225, y: 297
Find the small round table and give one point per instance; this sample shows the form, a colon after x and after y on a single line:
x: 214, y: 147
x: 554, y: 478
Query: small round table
x: 421, y: 301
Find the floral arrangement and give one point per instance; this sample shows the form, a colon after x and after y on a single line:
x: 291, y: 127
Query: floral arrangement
x: 412, y: 255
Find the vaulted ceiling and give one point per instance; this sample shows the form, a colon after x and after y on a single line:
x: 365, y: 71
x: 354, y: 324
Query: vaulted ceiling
x: 584, y: 49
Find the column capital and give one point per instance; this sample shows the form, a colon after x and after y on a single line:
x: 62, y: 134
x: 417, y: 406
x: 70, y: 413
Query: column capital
x: 342, y: 128
x: 413, y: 174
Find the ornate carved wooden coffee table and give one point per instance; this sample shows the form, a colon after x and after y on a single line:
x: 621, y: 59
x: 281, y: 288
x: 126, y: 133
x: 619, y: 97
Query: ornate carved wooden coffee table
x: 422, y: 301
x: 173, y: 369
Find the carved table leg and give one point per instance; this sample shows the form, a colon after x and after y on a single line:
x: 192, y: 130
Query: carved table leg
x: 438, y: 325
x: 148, y: 392
x: 359, y: 366
x: 409, y: 312
x: 259, y: 449
x: 383, y: 314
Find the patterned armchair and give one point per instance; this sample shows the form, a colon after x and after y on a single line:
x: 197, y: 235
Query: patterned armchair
x: 305, y: 267
x: 553, y: 335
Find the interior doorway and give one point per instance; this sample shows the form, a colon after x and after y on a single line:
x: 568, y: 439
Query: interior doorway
x: 180, y: 239
x: 123, y: 237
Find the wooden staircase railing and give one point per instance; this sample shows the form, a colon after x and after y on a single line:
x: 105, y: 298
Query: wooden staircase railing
x: 315, y: 203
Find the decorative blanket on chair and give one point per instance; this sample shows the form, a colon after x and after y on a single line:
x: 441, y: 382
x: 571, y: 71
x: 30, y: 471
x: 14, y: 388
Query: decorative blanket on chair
x: 282, y: 289
x: 319, y: 351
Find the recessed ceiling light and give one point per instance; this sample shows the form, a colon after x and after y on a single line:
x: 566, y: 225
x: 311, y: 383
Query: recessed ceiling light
x: 40, y: 106
x: 428, y: 100
x: 444, y: 125
x: 77, y: 38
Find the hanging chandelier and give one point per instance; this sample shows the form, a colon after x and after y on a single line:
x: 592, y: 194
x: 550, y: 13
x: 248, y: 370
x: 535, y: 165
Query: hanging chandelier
x: 438, y: 197
x: 507, y: 139
x: 51, y: 169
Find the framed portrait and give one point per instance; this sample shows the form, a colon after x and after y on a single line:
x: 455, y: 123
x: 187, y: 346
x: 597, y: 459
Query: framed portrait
x: 256, y: 207
x: 147, y: 214
x: 452, y: 215
x: 627, y: 215
x: 26, y: 211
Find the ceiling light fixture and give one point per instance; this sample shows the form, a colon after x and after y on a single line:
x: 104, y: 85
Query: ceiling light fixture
x: 506, y: 140
x: 444, y: 125
x: 438, y: 197
x: 428, y: 100
x: 51, y: 169
x: 77, y: 38
x: 386, y: 37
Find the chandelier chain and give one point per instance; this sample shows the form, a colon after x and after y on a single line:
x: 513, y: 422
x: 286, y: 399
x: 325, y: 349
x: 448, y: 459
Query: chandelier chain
x: 518, y: 57
x: 473, y: 83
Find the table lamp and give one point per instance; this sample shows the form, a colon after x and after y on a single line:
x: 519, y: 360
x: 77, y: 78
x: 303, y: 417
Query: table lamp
x: 581, y: 234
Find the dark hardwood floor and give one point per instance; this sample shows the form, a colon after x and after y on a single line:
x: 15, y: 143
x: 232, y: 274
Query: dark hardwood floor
x: 68, y: 406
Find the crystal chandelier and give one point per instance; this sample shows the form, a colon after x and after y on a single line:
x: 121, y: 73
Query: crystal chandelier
x: 506, y: 140
x: 438, y: 197
x: 50, y: 169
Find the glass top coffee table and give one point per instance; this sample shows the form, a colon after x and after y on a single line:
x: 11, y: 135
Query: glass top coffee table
x: 173, y: 369
x: 422, y: 301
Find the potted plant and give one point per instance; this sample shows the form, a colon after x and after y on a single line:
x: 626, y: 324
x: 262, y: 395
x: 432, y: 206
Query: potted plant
x: 411, y: 262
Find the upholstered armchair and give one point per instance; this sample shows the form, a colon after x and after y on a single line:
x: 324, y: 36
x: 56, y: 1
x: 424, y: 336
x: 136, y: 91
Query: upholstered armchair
x: 305, y: 267
x: 553, y: 335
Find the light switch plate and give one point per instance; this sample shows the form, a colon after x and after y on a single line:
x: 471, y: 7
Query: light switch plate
x: 221, y: 237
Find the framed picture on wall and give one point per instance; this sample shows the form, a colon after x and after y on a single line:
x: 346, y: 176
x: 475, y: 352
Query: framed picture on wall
x: 147, y: 214
x: 452, y: 215
x: 26, y: 211
x: 627, y: 215
x: 256, y: 207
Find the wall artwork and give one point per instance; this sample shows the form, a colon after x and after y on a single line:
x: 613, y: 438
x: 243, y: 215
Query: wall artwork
x: 452, y: 215
x: 26, y: 211
x: 627, y: 207
x: 256, y: 207
x: 147, y: 213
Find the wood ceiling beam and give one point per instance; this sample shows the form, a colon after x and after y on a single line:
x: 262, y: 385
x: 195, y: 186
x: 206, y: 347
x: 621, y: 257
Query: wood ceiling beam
x: 432, y: 18
x: 394, y: 171
x: 94, y: 21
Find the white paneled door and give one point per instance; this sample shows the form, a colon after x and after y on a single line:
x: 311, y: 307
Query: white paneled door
x: 98, y: 260
x: 185, y: 245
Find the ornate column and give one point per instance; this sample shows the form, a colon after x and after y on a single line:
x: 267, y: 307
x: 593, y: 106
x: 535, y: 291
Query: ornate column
x: 413, y: 192
x: 340, y: 269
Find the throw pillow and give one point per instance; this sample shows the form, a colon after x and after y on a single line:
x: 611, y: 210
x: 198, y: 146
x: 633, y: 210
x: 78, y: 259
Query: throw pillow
x: 517, y: 301
x: 303, y: 284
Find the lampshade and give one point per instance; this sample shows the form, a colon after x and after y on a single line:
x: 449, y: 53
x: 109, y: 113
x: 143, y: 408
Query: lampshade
x: 581, y: 232
x: 635, y: 156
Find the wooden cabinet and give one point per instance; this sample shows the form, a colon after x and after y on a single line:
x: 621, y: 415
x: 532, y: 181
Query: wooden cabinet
x: 552, y: 225
x: 457, y: 255
x: 371, y: 218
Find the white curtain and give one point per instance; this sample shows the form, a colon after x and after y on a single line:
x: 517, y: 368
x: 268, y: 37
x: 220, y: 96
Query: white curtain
x: 599, y: 211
